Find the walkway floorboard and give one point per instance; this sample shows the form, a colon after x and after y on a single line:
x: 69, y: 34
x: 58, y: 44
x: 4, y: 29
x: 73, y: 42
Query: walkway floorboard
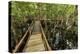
x: 34, y: 44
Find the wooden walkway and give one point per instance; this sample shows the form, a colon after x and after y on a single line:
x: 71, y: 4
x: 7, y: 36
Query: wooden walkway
x: 36, y: 41
x: 34, y: 44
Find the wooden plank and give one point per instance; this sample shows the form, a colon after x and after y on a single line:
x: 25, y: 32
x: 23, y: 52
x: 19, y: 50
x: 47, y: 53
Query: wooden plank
x: 45, y: 40
x: 39, y: 47
x: 35, y: 43
x: 18, y: 45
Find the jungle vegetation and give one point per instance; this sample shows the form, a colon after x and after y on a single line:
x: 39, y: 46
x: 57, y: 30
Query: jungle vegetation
x: 59, y: 21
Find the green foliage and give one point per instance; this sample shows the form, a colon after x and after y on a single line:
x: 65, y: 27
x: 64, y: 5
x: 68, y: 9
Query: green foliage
x: 52, y: 11
x: 22, y: 11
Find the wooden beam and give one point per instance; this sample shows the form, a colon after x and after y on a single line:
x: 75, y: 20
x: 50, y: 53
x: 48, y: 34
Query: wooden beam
x: 44, y: 37
x: 18, y: 45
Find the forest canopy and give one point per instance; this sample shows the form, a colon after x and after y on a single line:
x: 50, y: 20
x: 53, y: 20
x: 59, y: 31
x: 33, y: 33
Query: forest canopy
x: 44, y: 10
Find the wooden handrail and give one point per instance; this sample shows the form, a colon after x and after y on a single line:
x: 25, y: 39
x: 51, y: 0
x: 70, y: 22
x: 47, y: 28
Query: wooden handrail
x: 44, y: 37
x: 18, y: 45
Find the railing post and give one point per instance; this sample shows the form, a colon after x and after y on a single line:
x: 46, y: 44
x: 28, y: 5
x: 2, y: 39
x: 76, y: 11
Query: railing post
x: 18, y: 45
x: 45, y: 40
